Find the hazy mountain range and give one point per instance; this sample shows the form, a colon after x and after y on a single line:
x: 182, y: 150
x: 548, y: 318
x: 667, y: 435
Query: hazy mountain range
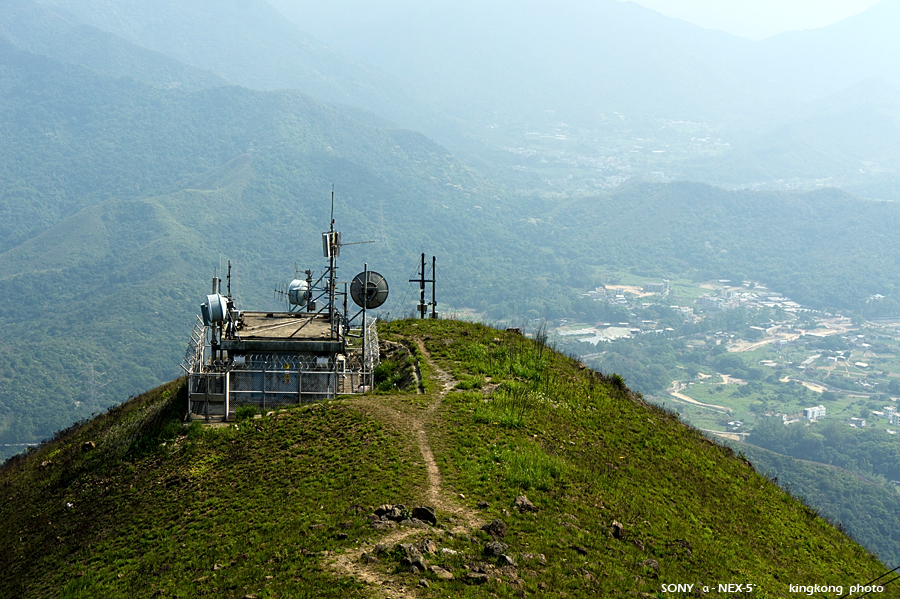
x: 608, y: 68
x: 482, y: 77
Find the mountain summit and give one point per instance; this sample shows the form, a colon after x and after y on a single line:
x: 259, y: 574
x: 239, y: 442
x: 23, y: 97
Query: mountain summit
x: 484, y: 464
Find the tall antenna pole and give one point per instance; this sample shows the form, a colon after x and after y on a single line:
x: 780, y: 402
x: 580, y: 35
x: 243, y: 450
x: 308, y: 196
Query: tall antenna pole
x: 331, y: 251
x: 433, y: 279
x: 229, y: 280
x: 365, y: 298
x: 422, y: 308
x: 346, y: 295
x: 215, y: 331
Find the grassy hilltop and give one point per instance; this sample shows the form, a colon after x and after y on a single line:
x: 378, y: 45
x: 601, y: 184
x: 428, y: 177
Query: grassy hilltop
x: 623, y: 498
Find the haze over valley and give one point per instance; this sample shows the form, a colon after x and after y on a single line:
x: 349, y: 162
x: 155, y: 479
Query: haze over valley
x: 710, y: 217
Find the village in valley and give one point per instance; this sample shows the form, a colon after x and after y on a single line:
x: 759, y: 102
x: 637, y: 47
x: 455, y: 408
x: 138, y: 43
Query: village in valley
x: 741, y: 353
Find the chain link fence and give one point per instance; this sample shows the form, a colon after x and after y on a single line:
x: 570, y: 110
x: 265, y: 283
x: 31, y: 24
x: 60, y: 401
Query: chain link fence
x: 272, y: 381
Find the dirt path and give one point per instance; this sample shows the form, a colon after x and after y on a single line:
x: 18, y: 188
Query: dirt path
x: 677, y: 387
x: 435, y: 493
x: 743, y: 345
x: 808, y: 384
x: 814, y: 387
x: 414, y: 420
x: 724, y: 435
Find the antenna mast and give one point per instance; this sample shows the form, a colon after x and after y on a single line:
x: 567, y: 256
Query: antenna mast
x: 332, y: 248
x: 422, y: 308
x: 433, y: 279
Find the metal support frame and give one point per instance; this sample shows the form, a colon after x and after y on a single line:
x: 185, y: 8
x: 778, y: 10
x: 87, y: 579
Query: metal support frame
x: 422, y: 308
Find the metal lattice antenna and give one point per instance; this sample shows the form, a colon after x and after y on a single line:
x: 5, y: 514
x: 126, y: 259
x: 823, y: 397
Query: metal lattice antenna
x: 93, y: 386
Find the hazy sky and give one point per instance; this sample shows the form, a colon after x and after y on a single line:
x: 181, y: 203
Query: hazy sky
x: 759, y: 19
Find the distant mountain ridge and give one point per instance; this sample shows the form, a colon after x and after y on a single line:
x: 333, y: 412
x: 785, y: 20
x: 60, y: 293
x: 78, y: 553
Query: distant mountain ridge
x: 610, y: 53
x: 850, y: 139
x: 250, y: 44
x: 507, y: 62
x: 29, y: 26
x: 616, y: 70
x: 479, y: 77
x: 860, y: 47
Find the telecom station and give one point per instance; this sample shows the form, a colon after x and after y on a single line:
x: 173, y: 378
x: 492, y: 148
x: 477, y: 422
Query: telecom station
x: 315, y: 350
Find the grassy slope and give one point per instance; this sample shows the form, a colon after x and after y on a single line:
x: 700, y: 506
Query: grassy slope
x: 163, y: 516
x: 156, y: 506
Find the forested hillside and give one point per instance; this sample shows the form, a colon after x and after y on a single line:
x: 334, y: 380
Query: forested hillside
x: 867, y: 511
x: 121, y: 198
x: 251, y: 44
x: 828, y: 248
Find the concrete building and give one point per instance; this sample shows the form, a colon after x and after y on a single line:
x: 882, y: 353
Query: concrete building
x: 598, y: 293
x: 816, y: 413
x: 657, y: 287
x: 708, y: 303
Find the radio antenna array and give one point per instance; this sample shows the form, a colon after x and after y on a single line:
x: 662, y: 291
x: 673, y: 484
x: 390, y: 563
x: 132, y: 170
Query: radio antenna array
x: 301, y: 294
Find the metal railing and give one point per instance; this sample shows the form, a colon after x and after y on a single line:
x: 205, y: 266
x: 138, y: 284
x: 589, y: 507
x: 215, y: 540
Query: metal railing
x: 193, y: 356
x: 277, y: 380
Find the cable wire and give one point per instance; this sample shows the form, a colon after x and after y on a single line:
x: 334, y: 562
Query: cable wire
x: 405, y: 295
x: 451, y: 291
x: 875, y: 580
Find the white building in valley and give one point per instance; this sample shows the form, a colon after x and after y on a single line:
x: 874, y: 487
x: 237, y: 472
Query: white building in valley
x: 816, y: 413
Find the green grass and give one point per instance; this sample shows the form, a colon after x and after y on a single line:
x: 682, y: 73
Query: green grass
x: 262, y: 499
x: 589, y: 453
x: 508, y: 405
x: 252, y: 508
x: 530, y: 467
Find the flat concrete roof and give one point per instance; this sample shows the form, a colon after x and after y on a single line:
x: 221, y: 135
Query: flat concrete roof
x: 284, y: 326
x: 283, y: 332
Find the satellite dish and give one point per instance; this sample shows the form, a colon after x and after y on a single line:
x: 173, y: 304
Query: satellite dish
x: 214, y: 310
x: 369, y: 293
x: 298, y: 292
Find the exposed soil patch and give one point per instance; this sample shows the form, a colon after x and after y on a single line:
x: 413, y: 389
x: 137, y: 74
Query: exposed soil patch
x: 677, y: 386
x: 409, y: 418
